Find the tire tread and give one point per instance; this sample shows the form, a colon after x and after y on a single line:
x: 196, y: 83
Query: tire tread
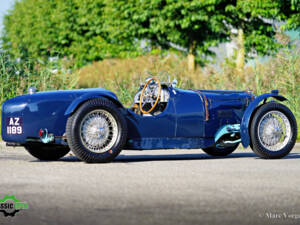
x: 256, y: 146
x: 74, y: 142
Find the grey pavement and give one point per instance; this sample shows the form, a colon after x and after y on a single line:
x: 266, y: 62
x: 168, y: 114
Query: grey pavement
x: 153, y: 187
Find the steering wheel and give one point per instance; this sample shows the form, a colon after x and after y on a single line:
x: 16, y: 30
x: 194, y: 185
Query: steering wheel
x: 149, y: 95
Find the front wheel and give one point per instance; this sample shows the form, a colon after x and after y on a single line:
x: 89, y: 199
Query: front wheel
x: 273, y: 131
x: 47, y: 152
x: 97, y: 131
x: 220, y: 151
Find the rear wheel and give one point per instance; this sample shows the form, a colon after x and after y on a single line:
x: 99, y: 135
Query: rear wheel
x: 273, y: 131
x: 47, y: 152
x: 97, y: 131
x: 220, y: 151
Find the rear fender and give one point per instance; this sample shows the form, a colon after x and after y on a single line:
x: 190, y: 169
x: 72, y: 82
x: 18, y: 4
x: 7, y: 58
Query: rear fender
x: 248, y: 114
x: 83, y: 98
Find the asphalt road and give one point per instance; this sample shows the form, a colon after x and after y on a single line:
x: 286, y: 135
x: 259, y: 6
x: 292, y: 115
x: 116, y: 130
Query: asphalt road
x: 153, y: 187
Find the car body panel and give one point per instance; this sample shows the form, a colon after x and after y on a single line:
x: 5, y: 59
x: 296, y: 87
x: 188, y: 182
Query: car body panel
x: 190, y: 114
x: 225, y: 107
x: 245, y: 123
x: 183, y: 124
x: 175, y: 127
x: 43, y: 110
x: 188, y: 121
x: 90, y: 95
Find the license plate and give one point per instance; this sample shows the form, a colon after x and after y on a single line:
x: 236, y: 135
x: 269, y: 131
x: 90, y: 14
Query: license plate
x: 14, y: 125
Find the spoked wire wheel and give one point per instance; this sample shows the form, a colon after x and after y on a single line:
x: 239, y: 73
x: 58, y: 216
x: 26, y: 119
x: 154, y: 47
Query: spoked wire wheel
x: 99, y: 131
x: 274, y: 130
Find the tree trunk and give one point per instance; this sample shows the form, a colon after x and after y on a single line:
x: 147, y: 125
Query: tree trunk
x: 240, y: 59
x: 191, y: 57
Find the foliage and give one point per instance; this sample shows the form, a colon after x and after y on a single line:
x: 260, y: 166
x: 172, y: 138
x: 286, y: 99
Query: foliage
x: 257, y: 18
x: 92, y: 30
x: 72, y: 28
x: 17, y: 76
x: 293, y: 22
x: 182, y: 23
x: 195, y: 25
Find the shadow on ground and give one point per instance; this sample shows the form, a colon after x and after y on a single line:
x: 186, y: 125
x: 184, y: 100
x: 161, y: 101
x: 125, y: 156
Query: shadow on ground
x: 174, y: 157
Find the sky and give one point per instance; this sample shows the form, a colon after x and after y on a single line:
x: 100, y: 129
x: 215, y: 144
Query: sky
x: 4, y: 6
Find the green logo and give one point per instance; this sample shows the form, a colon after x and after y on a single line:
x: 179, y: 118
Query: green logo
x: 9, y: 205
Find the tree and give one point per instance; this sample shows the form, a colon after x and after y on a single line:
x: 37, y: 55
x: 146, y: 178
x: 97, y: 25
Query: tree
x: 193, y: 25
x: 256, y: 24
x: 88, y: 30
x: 240, y: 58
x: 293, y: 20
x: 197, y: 25
x: 71, y: 28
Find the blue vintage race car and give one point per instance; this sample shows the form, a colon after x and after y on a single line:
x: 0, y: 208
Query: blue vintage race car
x: 96, y: 127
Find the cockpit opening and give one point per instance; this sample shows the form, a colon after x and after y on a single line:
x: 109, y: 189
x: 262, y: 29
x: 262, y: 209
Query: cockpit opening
x: 152, y: 98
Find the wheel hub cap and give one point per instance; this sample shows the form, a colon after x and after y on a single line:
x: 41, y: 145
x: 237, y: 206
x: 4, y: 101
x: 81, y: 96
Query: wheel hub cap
x: 98, y: 131
x: 274, y: 130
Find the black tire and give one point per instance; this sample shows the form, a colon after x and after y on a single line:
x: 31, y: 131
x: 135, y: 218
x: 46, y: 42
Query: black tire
x: 257, y: 146
x: 74, y: 134
x: 220, y: 151
x: 47, y: 152
x: 253, y: 113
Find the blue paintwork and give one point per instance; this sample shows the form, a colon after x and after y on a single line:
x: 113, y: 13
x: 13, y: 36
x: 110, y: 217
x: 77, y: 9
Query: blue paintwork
x: 182, y: 124
x: 90, y: 95
x: 48, y: 110
x: 169, y: 143
x: 250, y: 109
x: 225, y: 108
x: 190, y: 114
